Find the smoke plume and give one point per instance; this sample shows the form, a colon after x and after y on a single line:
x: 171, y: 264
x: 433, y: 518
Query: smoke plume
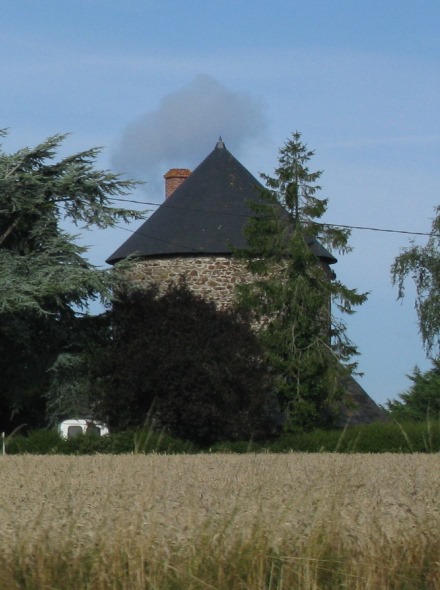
x: 184, y: 130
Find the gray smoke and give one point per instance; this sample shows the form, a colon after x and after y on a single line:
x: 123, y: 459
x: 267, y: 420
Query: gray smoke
x: 184, y: 130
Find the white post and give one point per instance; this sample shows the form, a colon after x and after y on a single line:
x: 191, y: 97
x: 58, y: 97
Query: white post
x: 3, y: 443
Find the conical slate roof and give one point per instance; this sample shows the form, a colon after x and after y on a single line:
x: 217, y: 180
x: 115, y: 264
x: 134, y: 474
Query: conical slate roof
x: 205, y: 215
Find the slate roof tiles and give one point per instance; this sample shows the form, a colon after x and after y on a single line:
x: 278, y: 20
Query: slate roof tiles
x: 204, y: 215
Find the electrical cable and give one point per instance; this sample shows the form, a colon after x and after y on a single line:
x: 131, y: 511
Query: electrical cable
x: 355, y: 227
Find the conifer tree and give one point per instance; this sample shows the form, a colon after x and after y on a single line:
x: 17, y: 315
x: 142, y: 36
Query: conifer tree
x: 422, y: 400
x: 45, y: 277
x: 294, y: 292
x: 43, y: 268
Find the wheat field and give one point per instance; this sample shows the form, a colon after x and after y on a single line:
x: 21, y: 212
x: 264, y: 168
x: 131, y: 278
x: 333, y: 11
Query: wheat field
x: 265, y: 521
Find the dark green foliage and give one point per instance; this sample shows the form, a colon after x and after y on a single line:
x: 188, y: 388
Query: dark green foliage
x: 45, y: 277
x: 68, y: 392
x: 145, y: 440
x: 49, y: 442
x: 305, y: 344
x: 422, y: 400
x: 183, y: 365
x: 239, y: 447
x: 29, y: 344
x: 378, y: 437
x: 37, y: 442
x: 422, y: 265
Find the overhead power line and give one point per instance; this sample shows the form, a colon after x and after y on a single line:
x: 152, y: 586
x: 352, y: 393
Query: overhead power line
x: 380, y: 229
x: 231, y: 213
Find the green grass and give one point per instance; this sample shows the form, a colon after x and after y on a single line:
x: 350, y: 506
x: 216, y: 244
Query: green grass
x: 49, y: 442
x: 378, y: 437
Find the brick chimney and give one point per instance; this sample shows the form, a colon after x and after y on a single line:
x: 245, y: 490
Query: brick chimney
x: 174, y: 178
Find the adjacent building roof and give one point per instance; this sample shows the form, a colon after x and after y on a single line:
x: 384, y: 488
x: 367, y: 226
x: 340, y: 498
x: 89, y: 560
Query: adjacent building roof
x: 205, y: 215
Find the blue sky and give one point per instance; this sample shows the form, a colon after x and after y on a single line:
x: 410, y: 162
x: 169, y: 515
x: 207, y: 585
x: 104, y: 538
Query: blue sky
x: 156, y: 83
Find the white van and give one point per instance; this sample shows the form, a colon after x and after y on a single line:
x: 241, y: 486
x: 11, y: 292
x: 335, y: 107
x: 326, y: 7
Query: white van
x: 73, y: 427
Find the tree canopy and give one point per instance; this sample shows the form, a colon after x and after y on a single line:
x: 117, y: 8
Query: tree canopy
x: 422, y: 400
x: 306, y: 345
x: 178, y: 362
x: 42, y: 267
x: 45, y: 277
x: 422, y: 265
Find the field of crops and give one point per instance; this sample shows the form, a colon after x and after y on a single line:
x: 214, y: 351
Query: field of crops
x: 265, y: 521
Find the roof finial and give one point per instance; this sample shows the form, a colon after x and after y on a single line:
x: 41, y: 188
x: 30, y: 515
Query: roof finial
x: 220, y: 143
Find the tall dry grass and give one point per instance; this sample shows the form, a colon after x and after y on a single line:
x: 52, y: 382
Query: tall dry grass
x: 222, y: 522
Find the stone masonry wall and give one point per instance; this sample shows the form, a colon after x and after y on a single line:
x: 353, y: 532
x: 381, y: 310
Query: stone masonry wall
x: 212, y: 277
